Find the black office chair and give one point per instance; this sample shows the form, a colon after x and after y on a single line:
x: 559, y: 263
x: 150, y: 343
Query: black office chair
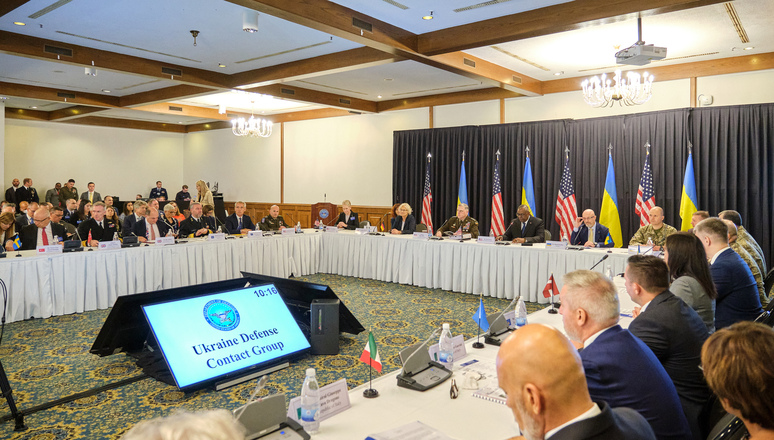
x: 729, y: 427
x: 421, y: 227
x: 547, y: 234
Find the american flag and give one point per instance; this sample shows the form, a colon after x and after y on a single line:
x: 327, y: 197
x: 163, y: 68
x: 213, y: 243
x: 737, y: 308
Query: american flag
x: 646, y: 197
x: 427, y: 200
x: 498, y: 224
x: 566, y: 209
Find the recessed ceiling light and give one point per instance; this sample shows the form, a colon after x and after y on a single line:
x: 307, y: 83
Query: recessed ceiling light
x: 388, y: 79
x: 105, y: 90
x: 33, y: 106
x: 221, y: 65
x: 58, y: 71
x: 749, y: 48
x: 19, y: 23
x: 428, y: 17
x: 179, y: 122
x: 379, y: 96
x: 559, y: 73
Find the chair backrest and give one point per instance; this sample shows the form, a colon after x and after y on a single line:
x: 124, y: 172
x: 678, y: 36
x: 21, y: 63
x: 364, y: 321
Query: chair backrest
x: 768, y: 282
x: 728, y: 428
x: 421, y: 227
x: 363, y: 224
x: 547, y: 234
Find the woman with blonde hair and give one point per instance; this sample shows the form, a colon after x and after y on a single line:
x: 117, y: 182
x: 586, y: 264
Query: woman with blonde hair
x: 347, y: 219
x: 7, y: 230
x: 404, y: 223
x: 205, y: 195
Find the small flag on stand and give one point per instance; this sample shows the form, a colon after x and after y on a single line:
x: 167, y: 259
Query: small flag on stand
x: 480, y: 316
x: 17, y: 243
x: 370, y: 354
x: 550, y: 289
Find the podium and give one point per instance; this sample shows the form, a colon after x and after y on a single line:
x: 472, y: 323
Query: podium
x: 326, y: 212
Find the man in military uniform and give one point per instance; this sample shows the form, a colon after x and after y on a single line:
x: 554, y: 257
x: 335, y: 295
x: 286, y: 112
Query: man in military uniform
x: 746, y: 240
x: 196, y: 225
x: 273, y: 221
x: 69, y: 191
x: 460, y: 224
x: 657, y: 231
x: 733, y: 243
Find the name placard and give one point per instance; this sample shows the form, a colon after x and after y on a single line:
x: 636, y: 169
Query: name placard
x: 511, y: 318
x: 556, y: 245
x: 459, y: 237
x: 164, y: 241
x: 109, y: 245
x: 334, y: 399
x: 458, y: 349
x: 361, y: 231
x: 217, y: 236
x: 288, y: 231
x: 255, y: 234
x: 485, y: 239
x: 641, y: 249
x: 50, y: 249
x: 421, y: 235
x: 331, y: 229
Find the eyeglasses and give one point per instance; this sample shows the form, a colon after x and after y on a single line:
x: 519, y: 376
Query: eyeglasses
x: 41, y: 221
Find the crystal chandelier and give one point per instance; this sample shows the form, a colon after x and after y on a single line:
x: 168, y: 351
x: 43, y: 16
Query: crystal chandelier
x: 253, y: 127
x: 604, y: 92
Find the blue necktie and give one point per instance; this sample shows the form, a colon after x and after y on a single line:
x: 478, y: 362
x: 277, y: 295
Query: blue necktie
x: 239, y: 226
x: 523, y: 228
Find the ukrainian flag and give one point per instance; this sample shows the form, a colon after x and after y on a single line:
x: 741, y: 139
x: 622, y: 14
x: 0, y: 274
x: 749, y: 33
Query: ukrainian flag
x: 528, y: 189
x: 462, y: 195
x: 688, y: 199
x: 608, y: 215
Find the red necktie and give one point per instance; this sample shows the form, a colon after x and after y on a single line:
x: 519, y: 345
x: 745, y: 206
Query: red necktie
x: 45, y: 238
x: 153, y: 234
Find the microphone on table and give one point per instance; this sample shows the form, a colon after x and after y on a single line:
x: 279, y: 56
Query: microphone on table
x: 600, y: 260
x: 435, y: 334
x: 261, y: 384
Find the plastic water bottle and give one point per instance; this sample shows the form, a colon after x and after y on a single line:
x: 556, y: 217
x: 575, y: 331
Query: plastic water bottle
x: 115, y: 236
x: 608, y: 272
x: 650, y: 241
x: 298, y: 227
x: 310, y: 402
x: 446, y: 348
x: 521, y: 314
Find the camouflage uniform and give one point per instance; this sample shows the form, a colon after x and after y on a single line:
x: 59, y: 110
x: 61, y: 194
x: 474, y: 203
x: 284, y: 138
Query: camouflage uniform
x: 750, y: 245
x: 657, y: 235
x: 269, y: 223
x: 748, y: 259
x: 469, y: 226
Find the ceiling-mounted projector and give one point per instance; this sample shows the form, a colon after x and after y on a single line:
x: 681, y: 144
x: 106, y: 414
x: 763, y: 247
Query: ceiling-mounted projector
x: 639, y: 53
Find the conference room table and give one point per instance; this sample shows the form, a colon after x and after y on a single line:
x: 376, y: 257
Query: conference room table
x: 44, y: 285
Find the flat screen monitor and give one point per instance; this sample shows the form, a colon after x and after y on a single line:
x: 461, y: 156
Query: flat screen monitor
x: 205, y: 339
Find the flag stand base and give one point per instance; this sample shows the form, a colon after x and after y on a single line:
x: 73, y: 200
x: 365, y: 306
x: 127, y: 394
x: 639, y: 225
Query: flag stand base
x: 370, y: 393
x: 478, y: 345
x: 552, y: 311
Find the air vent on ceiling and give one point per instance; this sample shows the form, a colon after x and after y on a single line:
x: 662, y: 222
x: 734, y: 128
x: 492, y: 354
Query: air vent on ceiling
x: 171, y: 71
x: 480, y: 5
x: 516, y: 79
x: 287, y: 91
x: 360, y: 24
x: 175, y: 109
x: 344, y: 101
x: 49, y: 8
x: 731, y: 10
x: 65, y: 95
x: 396, y: 4
x: 58, y: 50
x: 468, y: 62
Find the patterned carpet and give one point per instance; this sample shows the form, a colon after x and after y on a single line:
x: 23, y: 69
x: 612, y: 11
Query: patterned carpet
x: 47, y: 359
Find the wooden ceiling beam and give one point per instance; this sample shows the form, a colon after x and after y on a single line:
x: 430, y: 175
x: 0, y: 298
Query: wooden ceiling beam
x: 489, y: 94
x: 315, y: 97
x: 276, y: 119
x: 167, y: 108
x: 49, y: 94
x: 544, y: 21
x: 97, y: 121
x: 513, y: 81
x: 74, y: 112
x: 9, y: 5
x: 26, y: 115
x: 163, y: 95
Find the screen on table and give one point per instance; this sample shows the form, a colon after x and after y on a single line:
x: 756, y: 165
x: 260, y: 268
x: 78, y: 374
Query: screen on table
x: 206, y: 337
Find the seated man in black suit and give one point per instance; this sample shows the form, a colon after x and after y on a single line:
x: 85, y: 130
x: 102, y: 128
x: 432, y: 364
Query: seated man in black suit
x: 42, y: 233
x: 100, y: 228
x: 525, y: 228
x: 183, y: 196
x: 673, y: 331
x: 238, y: 222
x: 542, y: 374
x: 140, y: 208
x: 26, y: 217
x: 347, y: 219
x: 71, y: 212
x: 150, y: 228
x: 195, y: 225
x: 580, y: 233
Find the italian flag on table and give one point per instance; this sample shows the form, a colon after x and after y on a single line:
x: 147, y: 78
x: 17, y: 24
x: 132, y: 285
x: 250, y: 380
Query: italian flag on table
x: 370, y: 354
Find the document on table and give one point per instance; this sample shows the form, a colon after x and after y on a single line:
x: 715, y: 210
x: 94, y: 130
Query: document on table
x: 412, y: 431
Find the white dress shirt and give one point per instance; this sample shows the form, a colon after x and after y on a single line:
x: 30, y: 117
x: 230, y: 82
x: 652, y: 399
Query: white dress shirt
x: 49, y: 235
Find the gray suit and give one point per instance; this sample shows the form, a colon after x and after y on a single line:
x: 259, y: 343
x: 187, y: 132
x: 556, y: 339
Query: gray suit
x: 52, y: 197
x: 96, y: 198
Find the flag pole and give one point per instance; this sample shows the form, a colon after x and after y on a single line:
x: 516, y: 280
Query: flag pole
x: 553, y: 309
x: 370, y: 393
x: 478, y: 343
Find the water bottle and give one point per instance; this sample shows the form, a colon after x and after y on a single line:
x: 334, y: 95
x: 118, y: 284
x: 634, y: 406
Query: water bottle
x: 298, y: 227
x: 650, y: 241
x: 608, y: 272
x: 446, y: 348
x: 310, y: 402
x: 115, y: 236
x: 521, y: 314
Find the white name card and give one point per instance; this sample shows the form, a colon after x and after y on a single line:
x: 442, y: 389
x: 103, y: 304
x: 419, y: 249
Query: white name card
x: 362, y: 231
x: 255, y: 234
x: 164, y: 241
x: 458, y: 349
x: 50, y: 249
x: 331, y: 229
x: 459, y: 237
x: 288, y: 231
x: 421, y: 235
x: 485, y: 239
x: 218, y: 236
x: 556, y: 245
x: 109, y: 245
x: 334, y: 399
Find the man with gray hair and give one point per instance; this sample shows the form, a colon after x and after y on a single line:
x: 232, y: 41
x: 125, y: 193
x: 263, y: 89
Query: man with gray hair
x: 140, y: 208
x: 462, y: 223
x: 525, y: 228
x: 238, y: 222
x: 620, y: 369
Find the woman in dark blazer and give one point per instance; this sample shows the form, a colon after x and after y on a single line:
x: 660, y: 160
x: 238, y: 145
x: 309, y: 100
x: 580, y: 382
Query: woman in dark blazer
x: 404, y: 223
x: 347, y: 219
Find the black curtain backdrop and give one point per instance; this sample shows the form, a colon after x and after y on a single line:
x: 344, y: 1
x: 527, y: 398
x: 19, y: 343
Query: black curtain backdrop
x: 732, y: 148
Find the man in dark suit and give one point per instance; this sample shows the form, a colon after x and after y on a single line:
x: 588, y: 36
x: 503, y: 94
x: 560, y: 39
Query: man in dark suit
x: 10, y: 193
x: 238, y: 222
x: 42, y: 233
x: 140, y: 208
x: 27, y: 215
x: 196, y: 225
x: 542, y: 374
x: 525, y: 228
x: 150, y: 228
x: 52, y: 195
x: 620, y: 369
x: 738, y: 298
x: 27, y: 193
x: 673, y: 331
x: 582, y: 226
x: 100, y: 228
x: 71, y: 212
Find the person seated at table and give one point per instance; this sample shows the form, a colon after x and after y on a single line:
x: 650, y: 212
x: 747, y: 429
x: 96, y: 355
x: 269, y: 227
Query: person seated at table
x: 42, y: 233
x: 7, y: 230
x: 183, y: 195
x: 150, y: 228
x: 238, y: 222
x: 97, y: 227
x: 217, y: 424
x: 153, y: 204
x: 177, y: 215
x: 208, y: 214
x: 542, y: 375
x: 9, y: 207
x: 525, y: 228
x: 690, y: 274
x: 128, y: 209
x: 347, y: 219
x: 84, y: 211
x: 600, y: 236
x: 460, y: 224
x: 140, y: 208
x: 70, y: 211
x: 110, y: 214
x: 26, y: 217
x: 195, y: 225
x: 273, y: 221
x: 108, y: 201
x: 657, y: 231
x: 404, y: 223
x: 169, y: 219
x: 56, y: 217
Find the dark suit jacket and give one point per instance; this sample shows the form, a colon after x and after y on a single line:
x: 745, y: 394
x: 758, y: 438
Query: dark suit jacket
x: 622, y: 371
x: 129, y: 223
x: 409, y: 227
x: 738, y: 298
x: 190, y: 226
x: 182, y: 196
x: 29, y: 235
x: 141, y: 228
x: 70, y: 218
x: 352, y: 222
x: 611, y: 424
x: 27, y: 195
x: 232, y: 224
x: 10, y: 195
x: 158, y: 192
x: 97, y: 233
x: 600, y: 235
x: 22, y: 221
x: 674, y: 332
x: 533, y: 233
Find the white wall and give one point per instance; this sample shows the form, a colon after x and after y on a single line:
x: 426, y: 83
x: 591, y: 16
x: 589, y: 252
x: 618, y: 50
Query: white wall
x: 474, y: 113
x: 121, y: 162
x: 740, y: 88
